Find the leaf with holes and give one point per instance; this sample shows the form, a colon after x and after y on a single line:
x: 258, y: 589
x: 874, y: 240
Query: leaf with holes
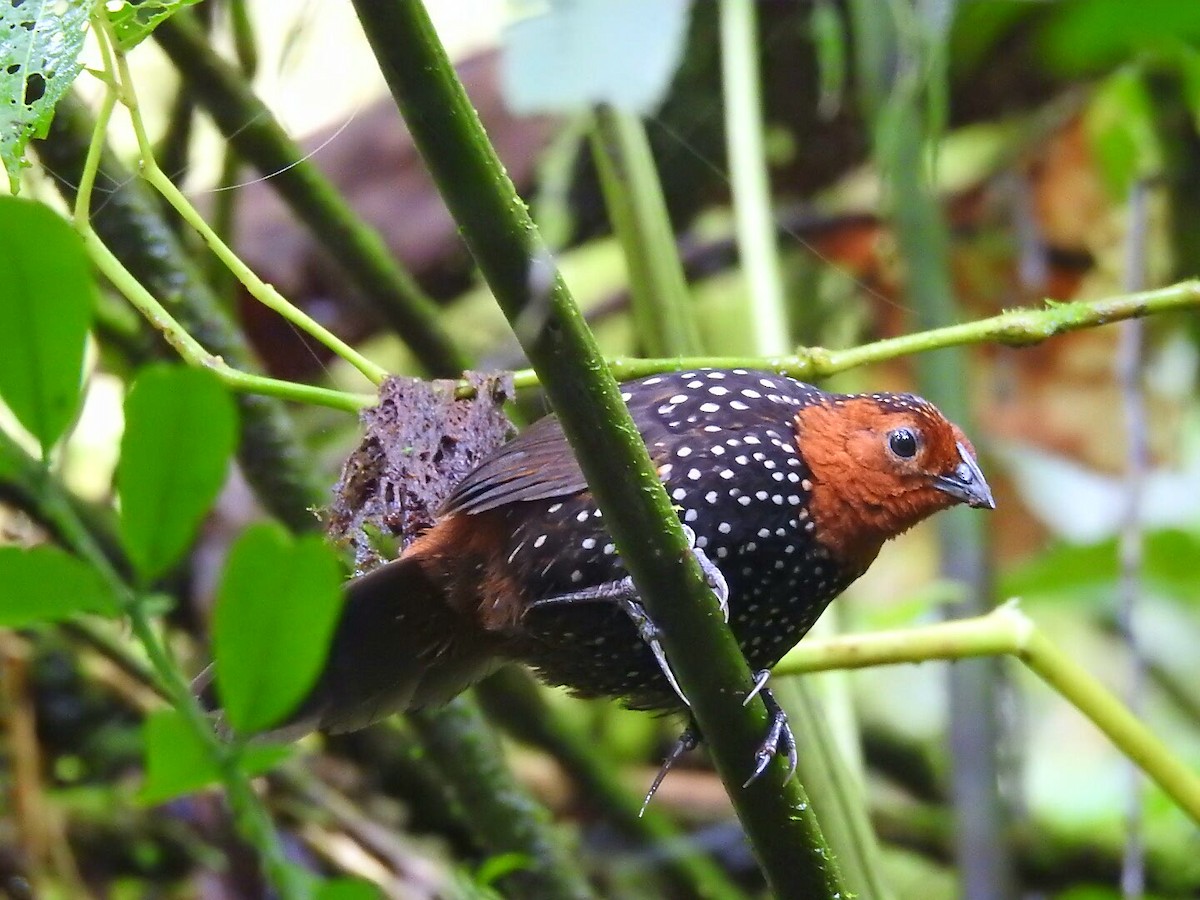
x: 133, y: 22
x: 46, y: 300
x: 45, y: 584
x: 180, y: 431
x: 40, y: 42
x: 276, y: 609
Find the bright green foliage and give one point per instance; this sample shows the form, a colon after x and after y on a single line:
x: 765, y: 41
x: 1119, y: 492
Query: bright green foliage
x: 180, y: 432
x: 348, y: 889
x: 1169, y: 567
x: 1121, y: 128
x: 133, y: 22
x: 178, y: 761
x: 276, y: 609
x: 46, y: 300
x: 45, y: 584
x: 1086, y: 38
x: 40, y: 41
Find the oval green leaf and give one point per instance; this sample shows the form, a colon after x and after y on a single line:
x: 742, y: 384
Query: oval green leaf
x: 180, y: 432
x: 45, y: 309
x: 276, y: 610
x: 45, y: 584
x: 179, y: 761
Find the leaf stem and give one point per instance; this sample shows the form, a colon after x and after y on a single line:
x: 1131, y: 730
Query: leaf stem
x: 260, y: 290
x: 195, y: 354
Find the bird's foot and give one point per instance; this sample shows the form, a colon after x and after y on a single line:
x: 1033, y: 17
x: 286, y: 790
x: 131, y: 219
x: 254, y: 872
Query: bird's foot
x: 688, y: 741
x: 779, y: 733
x: 624, y: 593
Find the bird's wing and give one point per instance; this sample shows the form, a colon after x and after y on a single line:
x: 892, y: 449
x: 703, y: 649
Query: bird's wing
x: 536, y: 465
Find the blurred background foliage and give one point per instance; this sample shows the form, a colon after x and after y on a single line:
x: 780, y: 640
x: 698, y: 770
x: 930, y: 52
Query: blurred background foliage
x: 1038, y: 122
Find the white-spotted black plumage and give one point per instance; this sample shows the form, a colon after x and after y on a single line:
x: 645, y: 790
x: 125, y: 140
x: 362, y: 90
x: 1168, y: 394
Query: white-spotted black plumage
x: 724, y: 444
x: 790, y: 492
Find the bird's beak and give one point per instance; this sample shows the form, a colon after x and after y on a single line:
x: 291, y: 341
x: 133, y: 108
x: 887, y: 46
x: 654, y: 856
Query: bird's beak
x: 966, y: 482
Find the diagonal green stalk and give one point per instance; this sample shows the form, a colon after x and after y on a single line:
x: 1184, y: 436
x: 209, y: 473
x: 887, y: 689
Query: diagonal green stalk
x: 1008, y: 631
x: 499, y: 232
x: 638, y: 212
x: 361, y: 252
x: 821, y: 713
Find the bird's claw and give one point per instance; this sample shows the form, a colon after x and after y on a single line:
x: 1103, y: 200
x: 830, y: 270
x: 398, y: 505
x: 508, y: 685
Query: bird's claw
x: 650, y: 633
x: 688, y: 741
x: 712, y: 575
x: 779, y: 733
x: 623, y: 593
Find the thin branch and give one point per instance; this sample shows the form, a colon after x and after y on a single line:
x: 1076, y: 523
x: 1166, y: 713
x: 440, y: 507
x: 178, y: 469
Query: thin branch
x: 1008, y: 631
x: 1015, y: 328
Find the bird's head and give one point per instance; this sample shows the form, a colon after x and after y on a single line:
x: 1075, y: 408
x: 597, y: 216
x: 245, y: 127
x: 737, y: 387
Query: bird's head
x: 881, y: 463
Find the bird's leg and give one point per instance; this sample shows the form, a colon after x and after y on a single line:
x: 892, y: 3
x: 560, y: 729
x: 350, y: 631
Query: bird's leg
x: 779, y: 733
x: 688, y: 741
x: 624, y: 593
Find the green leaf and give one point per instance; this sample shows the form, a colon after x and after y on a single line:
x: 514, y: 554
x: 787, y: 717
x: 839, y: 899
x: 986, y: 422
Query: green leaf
x: 45, y: 584
x: 1121, y: 130
x: 133, y: 20
x: 573, y: 54
x: 348, y: 889
x: 178, y: 761
x: 1086, y: 38
x: 180, y: 431
x: 276, y: 609
x: 46, y: 303
x: 40, y: 42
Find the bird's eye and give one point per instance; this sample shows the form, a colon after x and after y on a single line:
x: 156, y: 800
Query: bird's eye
x: 903, y: 443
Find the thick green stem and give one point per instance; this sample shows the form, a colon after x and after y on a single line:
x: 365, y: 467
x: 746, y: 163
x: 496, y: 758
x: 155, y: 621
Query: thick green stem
x: 514, y: 701
x: 638, y: 212
x: 499, y: 813
x: 256, y: 135
x: 1009, y: 631
x: 740, y: 79
x: 504, y: 241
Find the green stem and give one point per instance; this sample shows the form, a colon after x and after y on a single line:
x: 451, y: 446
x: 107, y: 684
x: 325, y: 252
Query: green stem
x: 500, y: 234
x: 514, y: 700
x: 1015, y: 328
x: 260, y: 290
x: 131, y: 224
x: 55, y: 506
x: 361, y: 252
x: 499, y: 813
x: 831, y: 769
x: 191, y: 350
x: 748, y: 172
x: 1009, y: 631
x: 638, y: 212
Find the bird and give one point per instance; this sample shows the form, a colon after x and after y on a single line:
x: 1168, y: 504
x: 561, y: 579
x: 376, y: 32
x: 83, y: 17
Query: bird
x: 785, y: 491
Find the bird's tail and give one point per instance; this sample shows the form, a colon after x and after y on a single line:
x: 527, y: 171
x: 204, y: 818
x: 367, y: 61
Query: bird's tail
x: 399, y: 645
